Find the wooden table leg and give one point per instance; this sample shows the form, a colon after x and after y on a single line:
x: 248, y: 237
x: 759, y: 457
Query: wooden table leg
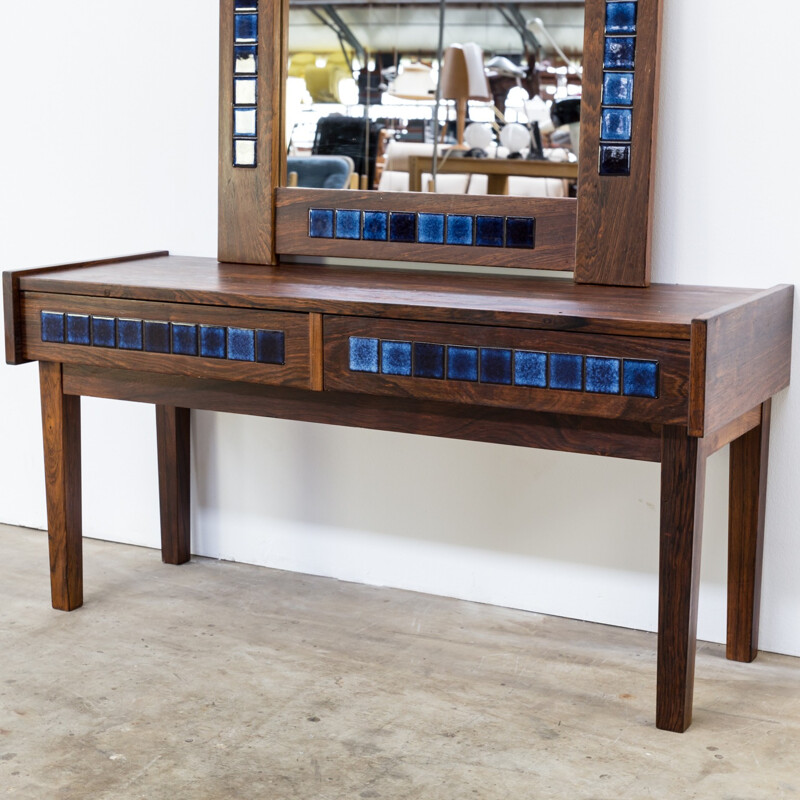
x: 61, y: 432
x: 683, y: 463
x: 746, y: 501
x: 173, y: 434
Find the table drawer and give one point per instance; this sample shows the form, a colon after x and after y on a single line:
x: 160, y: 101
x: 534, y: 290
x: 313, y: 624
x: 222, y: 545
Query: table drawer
x: 574, y: 373
x: 269, y: 347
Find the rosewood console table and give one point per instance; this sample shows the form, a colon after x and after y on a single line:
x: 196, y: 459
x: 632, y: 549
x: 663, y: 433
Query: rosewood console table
x: 668, y: 374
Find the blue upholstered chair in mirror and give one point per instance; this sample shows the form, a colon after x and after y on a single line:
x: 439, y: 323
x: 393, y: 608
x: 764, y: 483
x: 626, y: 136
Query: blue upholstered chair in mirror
x: 320, y: 172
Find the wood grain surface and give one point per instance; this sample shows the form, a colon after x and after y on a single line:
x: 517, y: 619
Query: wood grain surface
x: 173, y: 437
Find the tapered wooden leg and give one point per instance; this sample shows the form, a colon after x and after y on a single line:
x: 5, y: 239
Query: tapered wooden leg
x: 61, y: 430
x: 682, y: 486
x: 746, y: 503
x: 173, y: 434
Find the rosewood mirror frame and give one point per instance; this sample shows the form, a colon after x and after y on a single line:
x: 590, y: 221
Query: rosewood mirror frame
x: 604, y: 236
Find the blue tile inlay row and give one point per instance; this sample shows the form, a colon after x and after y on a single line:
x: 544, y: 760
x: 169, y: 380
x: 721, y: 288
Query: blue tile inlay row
x: 245, y: 89
x: 619, y: 60
x: 505, y: 367
x: 155, y: 336
x: 422, y: 228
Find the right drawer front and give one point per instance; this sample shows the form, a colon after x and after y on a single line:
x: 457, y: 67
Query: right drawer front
x: 573, y: 373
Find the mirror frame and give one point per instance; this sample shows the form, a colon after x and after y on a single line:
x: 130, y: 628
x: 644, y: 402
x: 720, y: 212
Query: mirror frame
x: 605, y: 236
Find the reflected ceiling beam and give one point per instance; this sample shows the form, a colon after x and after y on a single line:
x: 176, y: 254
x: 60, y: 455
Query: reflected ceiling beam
x: 342, y: 31
x: 517, y: 21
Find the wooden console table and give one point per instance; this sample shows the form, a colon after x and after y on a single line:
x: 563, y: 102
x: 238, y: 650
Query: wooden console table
x: 668, y: 374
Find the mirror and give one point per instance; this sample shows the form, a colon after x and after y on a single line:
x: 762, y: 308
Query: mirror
x: 472, y: 98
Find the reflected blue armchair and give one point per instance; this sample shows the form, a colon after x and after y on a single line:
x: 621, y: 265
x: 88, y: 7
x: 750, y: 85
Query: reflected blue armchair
x: 320, y: 172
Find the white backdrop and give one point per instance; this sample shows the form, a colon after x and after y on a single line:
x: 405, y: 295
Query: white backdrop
x: 108, y: 146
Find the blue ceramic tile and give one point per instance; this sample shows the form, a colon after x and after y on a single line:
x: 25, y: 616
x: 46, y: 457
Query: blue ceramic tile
x: 459, y: 229
x: 104, y: 332
x: 241, y: 344
x: 621, y: 17
x: 402, y: 227
x: 619, y: 53
x: 462, y: 363
x: 212, y: 341
x: 566, y: 371
x: 52, y: 326
x: 376, y: 226
x: 640, y: 378
x: 156, y: 337
x: 246, y: 28
x: 617, y: 88
x: 320, y: 223
x: 615, y: 124
x: 78, y: 329
x: 244, y: 122
x: 271, y: 347
x: 530, y: 369
x: 615, y: 159
x: 129, y: 334
x: 603, y: 375
x: 396, y: 358
x: 520, y: 231
x: 184, y: 339
x: 348, y: 224
x: 431, y: 228
x: 246, y: 5
x: 245, y: 59
x: 363, y: 354
x: 428, y: 360
x: 245, y: 91
x: 489, y: 231
x: 495, y: 365
x: 244, y: 152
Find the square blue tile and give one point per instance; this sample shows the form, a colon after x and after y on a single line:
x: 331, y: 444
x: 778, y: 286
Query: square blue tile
x: 430, y: 228
x: 244, y: 122
x: 244, y: 153
x: 320, y: 223
x: 603, y: 375
x: 396, y: 358
x: 184, y: 339
x: 348, y: 224
x: 428, y: 360
x: 246, y: 5
x: 212, y: 341
x: 617, y: 88
x: 615, y: 124
x: 78, y: 329
x: 245, y: 59
x: 376, y: 226
x: 271, y: 347
x: 489, y: 231
x: 241, y: 344
x: 156, y: 337
x: 495, y: 365
x: 640, y: 378
x: 246, y: 28
x: 615, y: 159
x: 621, y: 17
x: 129, y: 334
x: 363, y: 354
x: 104, y: 332
x: 402, y: 227
x: 462, y: 363
x: 520, y: 232
x: 460, y: 229
x: 530, y: 368
x: 245, y: 91
x: 52, y: 326
x: 619, y: 52
x: 566, y: 371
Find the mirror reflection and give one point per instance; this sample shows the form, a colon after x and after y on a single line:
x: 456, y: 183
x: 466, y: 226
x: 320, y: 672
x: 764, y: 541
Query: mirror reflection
x: 453, y: 97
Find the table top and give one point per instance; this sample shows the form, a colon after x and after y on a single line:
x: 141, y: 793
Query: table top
x: 662, y: 310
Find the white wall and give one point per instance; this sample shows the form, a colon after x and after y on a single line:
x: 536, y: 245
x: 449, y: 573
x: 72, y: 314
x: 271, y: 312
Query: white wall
x: 108, y: 146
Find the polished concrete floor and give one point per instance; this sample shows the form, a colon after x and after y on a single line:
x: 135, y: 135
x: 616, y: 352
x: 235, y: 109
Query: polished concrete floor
x: 220, y: 680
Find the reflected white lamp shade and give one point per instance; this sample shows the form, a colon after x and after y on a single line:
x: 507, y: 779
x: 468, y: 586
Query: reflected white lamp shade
x: 515, y: 137
x: 478, y: 135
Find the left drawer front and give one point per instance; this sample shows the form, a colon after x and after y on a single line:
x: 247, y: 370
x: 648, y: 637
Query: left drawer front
x: 269, y: 347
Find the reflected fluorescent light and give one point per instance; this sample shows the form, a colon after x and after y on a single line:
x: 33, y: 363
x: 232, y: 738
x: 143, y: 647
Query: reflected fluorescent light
x: 320, y: 62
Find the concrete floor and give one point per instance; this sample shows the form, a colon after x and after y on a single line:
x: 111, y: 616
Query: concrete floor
x: 220, y: 680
